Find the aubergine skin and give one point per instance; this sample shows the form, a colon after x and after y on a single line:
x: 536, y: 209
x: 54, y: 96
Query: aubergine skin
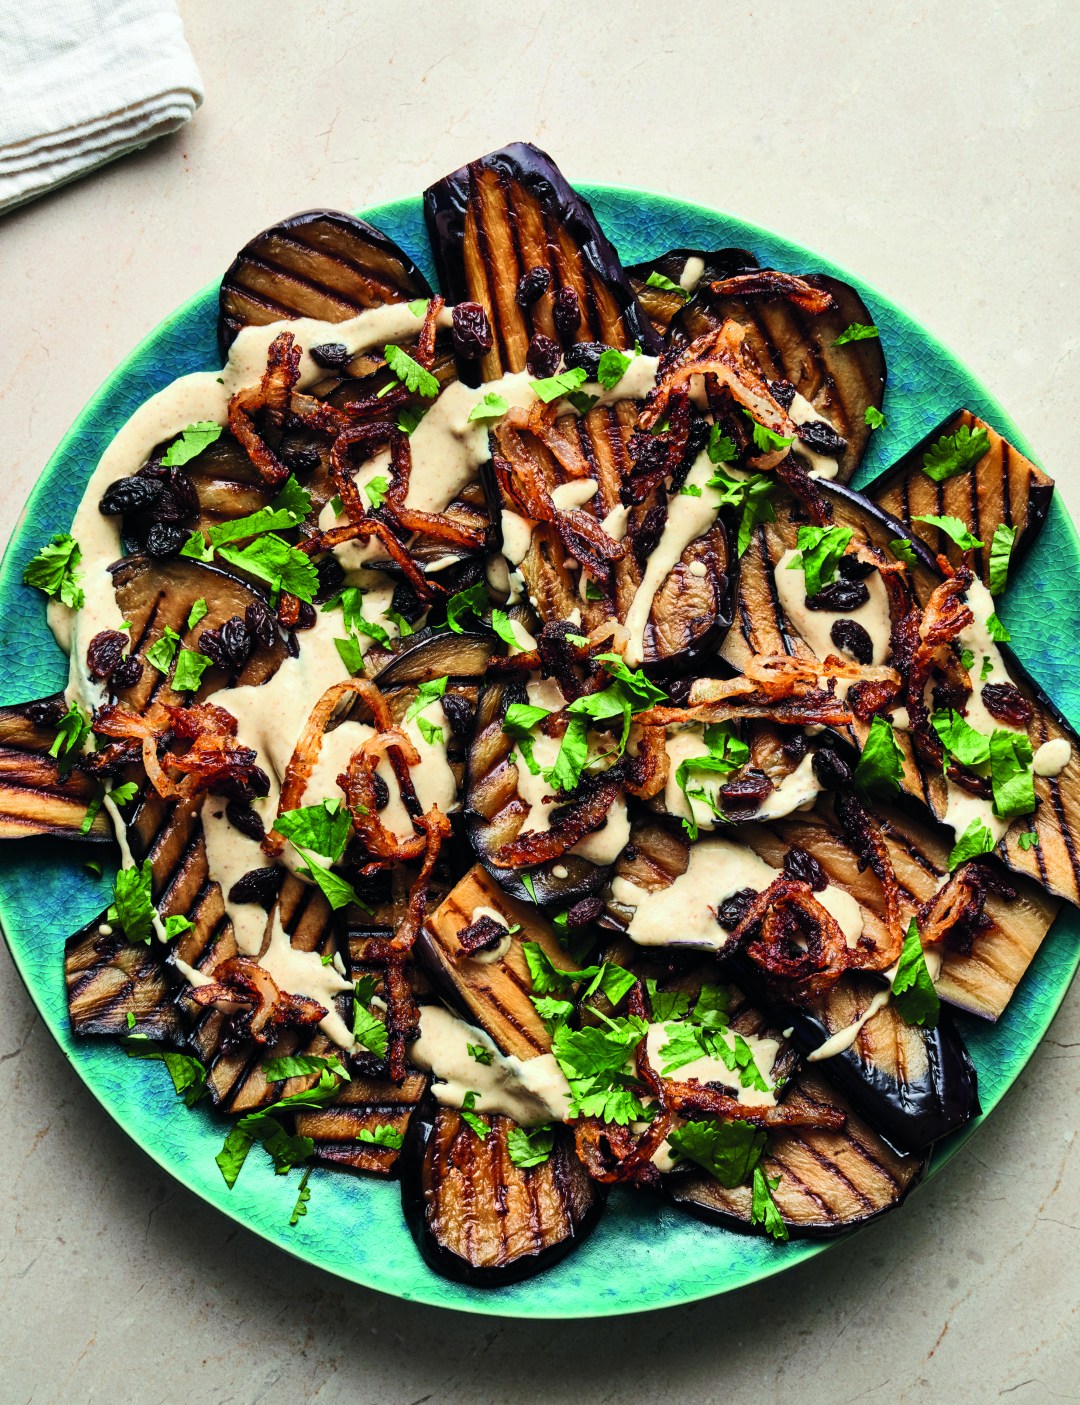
x: 426, y: 1182
x: 571, y: 232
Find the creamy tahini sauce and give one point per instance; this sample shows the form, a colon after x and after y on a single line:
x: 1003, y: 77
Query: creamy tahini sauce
x: 1052, y: 757
x: 820, y: 465
x: 844, y: 1038
x: 815, y: 626
x: 690, y: 277
x: 502, y: 946
x: 684, y: 913
x: 531, y: 1091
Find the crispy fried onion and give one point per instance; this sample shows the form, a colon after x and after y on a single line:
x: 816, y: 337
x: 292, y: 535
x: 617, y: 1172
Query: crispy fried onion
x: 693, y: 1096
x: 569, y: 823
x: 214, y: 762
x: 779, y: 688
x: 944, y: 617
x: 955, y: 912
x: 720, y: 353
x: 656, y: 454
x: 769, y: 282
x: 867, y: 842
x: 788, y: 933
x: 264, y: 1011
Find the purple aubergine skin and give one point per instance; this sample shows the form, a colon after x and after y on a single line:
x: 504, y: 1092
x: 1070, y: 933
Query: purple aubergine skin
x: 446, y: 201
x: 442, y: 1260
x: 357, y: 229
x: 1040, y: 495
x: 719, y: 263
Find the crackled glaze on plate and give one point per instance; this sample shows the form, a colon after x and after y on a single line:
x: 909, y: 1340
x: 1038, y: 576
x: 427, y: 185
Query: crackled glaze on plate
x: 644, y: 1254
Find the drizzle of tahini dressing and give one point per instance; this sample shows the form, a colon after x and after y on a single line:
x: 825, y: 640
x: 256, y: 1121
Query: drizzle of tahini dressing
x: 814, y: 626
x: 844, y: 1038
x: 690, y: 277
x: 531, y: 1091
x: 1052, y: 757
x: 821, y: 465
x: 684, y: 913
x: 797, y: 789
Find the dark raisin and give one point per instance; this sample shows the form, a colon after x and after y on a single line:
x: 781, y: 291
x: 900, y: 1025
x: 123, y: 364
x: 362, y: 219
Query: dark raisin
x: 243, y: 784
x: 831, y: 770
x: 948, y: 694
x: 330, y: 355
x: 747, y: 793
x: 236, y: 642
x: 1007, y: 703
x: 382, y: 791
x: 585, y: 356
x: 794, y: 745
x: 179, y: 501
x: 839, y: 595
x: 566, y: 312
x: 648, y: 534
x: 130, y: 495
x: 211, y: 645
x: 301, y: 458
x: 105, y: 652
x: 260, y: 624
x: 126, y: 674
x: 46, y: 712
x: 306, y: 616
x: 258, y: 885
x: 852, y: 568
x: 543, y: 357
x: 471, y: 331
x: 532, y: 285
x: 732, y: 910
x: 783, y: 392
x: 805, y: 868
x: 331, y: 577
x: 583, y: 912
x: 246, y: 820
x: 821, y: 438
x: 459, y: 714
x: 165, y: 539
x: 850, y: 636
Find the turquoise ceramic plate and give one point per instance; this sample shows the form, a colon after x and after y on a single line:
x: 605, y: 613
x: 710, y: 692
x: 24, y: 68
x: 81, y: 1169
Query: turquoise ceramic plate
x: 643, y: 1255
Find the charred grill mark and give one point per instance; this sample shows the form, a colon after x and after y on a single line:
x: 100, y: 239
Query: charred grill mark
x: 1006, y: 483
x: 304, y: 281
x: 1066, y: 834
x: 768, y: 566
x: 830, y: 1167
x: 788, y: 1172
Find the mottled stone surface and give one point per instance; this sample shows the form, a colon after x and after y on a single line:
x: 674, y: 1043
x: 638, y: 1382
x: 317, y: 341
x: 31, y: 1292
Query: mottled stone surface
x: 932, y: 148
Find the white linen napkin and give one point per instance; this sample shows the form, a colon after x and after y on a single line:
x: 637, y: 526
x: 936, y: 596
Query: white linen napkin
x: 83, y: 82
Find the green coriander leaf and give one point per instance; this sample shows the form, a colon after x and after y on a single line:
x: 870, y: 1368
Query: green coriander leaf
x: 303, y: 1195
x: 683, y: 1046
x: 351, y: 654
x: 376, y: 490
x: 480, y: 1053
x: 302, y: 1065
x: 856, y: 331
x: 382, y: 1135
x: 324, y: 829
x: 819, y: 551
x: 526, y: 879
x: 162, y: 652
x: 351, y: 602
x: 187, y: 1073
x: 987, y: 668
x: 953, y: 453
x: 666, y: 1004
x: 338, y: 891
x: 196, y: 548
x: 1029, y: 839
x: 720, y: 448
x: 612, y: 367
x: 176, y: 925
x: 967, y: 659
x: 418, y: 307
x: 410, y: 372
x: 431, y: 732
x: 581, y: 402
x: 562, y: 384
x: 1011, y: 776
x: 292, y: 499
x: 1001, y: 547
x: 133, y: 902
x: 191, y: 443
x: 975, y: 840
x: 407, y: 419
x: 130, y: 1019
x: 473, y: 601
x: 751, y: 495
x: 592, y: 590
x: 642, y: 692
x: 272, y: 559
x: 573, y: 753
x: 726, y: 753
x: 690, y: 490
x: 914, y: 995
x: 874, y: 418
x: 552, y: 1011
x: 404, y: 628
x: 426, y: 694
x: 368, y: 1029
x: 233, y: 1154
x: 727, y: 1150
x: 711, y: 1007
x: 763, y: 1209
x: 190, y: 668
x: 903, y: 551
x: 953, y: 527
x: 997, y: 631
x: 530, y: 1146
x: 503, y: 627
x: 478, y: 1125
x: 71, y: 733
x: 92, y: 812
x: 960, y: 739
x: 767, y: 439
x: 490, y: 408
x: 657, y: 280
x: 53, y: 570
x: 881, y: 765
x: 196, y: 613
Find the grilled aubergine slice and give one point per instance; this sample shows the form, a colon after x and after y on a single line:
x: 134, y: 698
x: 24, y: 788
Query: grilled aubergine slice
x: 829, y: 1181
x: 913, y: 1085
x: 320, y: 264
x: 37, y: 795
x: 478, y: 1218
x: 794, y: 340
x: 1001, y: 488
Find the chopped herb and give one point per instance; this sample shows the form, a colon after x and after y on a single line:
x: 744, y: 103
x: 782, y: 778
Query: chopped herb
x: 350, y: 653
x: 1011, y: 776
x: 997, y: 631
x: 519, y: 723
x: 410, y: 372
x: 856, y: 331
x: 71, y: 733
x: 376, y: 490
x: 881, y: 765
x: 176, y: 925
x: 190, y: 668
x: 612, y: 367
x: 426, y: 694
x: 666, y: 1004
x: 1029, y: 839
x: 479, y: 1126
x: 592, y: 590
x: 302, y: 1066
x: 726, y: 753
x: 690, y: 490
x: 191, y: 443
x: 272, y: 559
x: 187, y: 1073
x: 303, y: 1195
x: 526, y: 879
x: 92, y: 812
x: 480, y: 1053
x: 581, y: 402
x: 368, y: 1029
x: 1001, y: 547
x: 975, y: 840
x: 657, y: 280
x: 967, y: 660
x: 503, y: 627
x: 162, y: 652
x: 727, y: 1150
x: 953, y: 453
x: 473, y: 601
x: 131, y: 1019
x: 132, y: 904
x: 382, y: 1135
x: 559, y: 385
x: 987, y: 668
x: 321, y: 832
x: 407, y: 420
x: 752, y: 495
x: 431, y: 732
x: 953, y: 527
x: 418, y: 307
x: 720, y: 448
x: 490, y: 408
x: 914, y: 995
x: 351, y: 602
x: 874, y: 418
x: 594, y: 1061
x: 903, y: 550
x: 763, y: 1209
x: 530, y: 1146
x: 960, y: 739
x: 196, y: 613
x: 404, y: 628
x: 285, y: 1150
x: 767, y: 439
x: 53, y: 570
x: 819, y: 551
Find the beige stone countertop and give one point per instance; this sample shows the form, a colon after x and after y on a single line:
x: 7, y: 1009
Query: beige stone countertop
x: 933, y: 147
